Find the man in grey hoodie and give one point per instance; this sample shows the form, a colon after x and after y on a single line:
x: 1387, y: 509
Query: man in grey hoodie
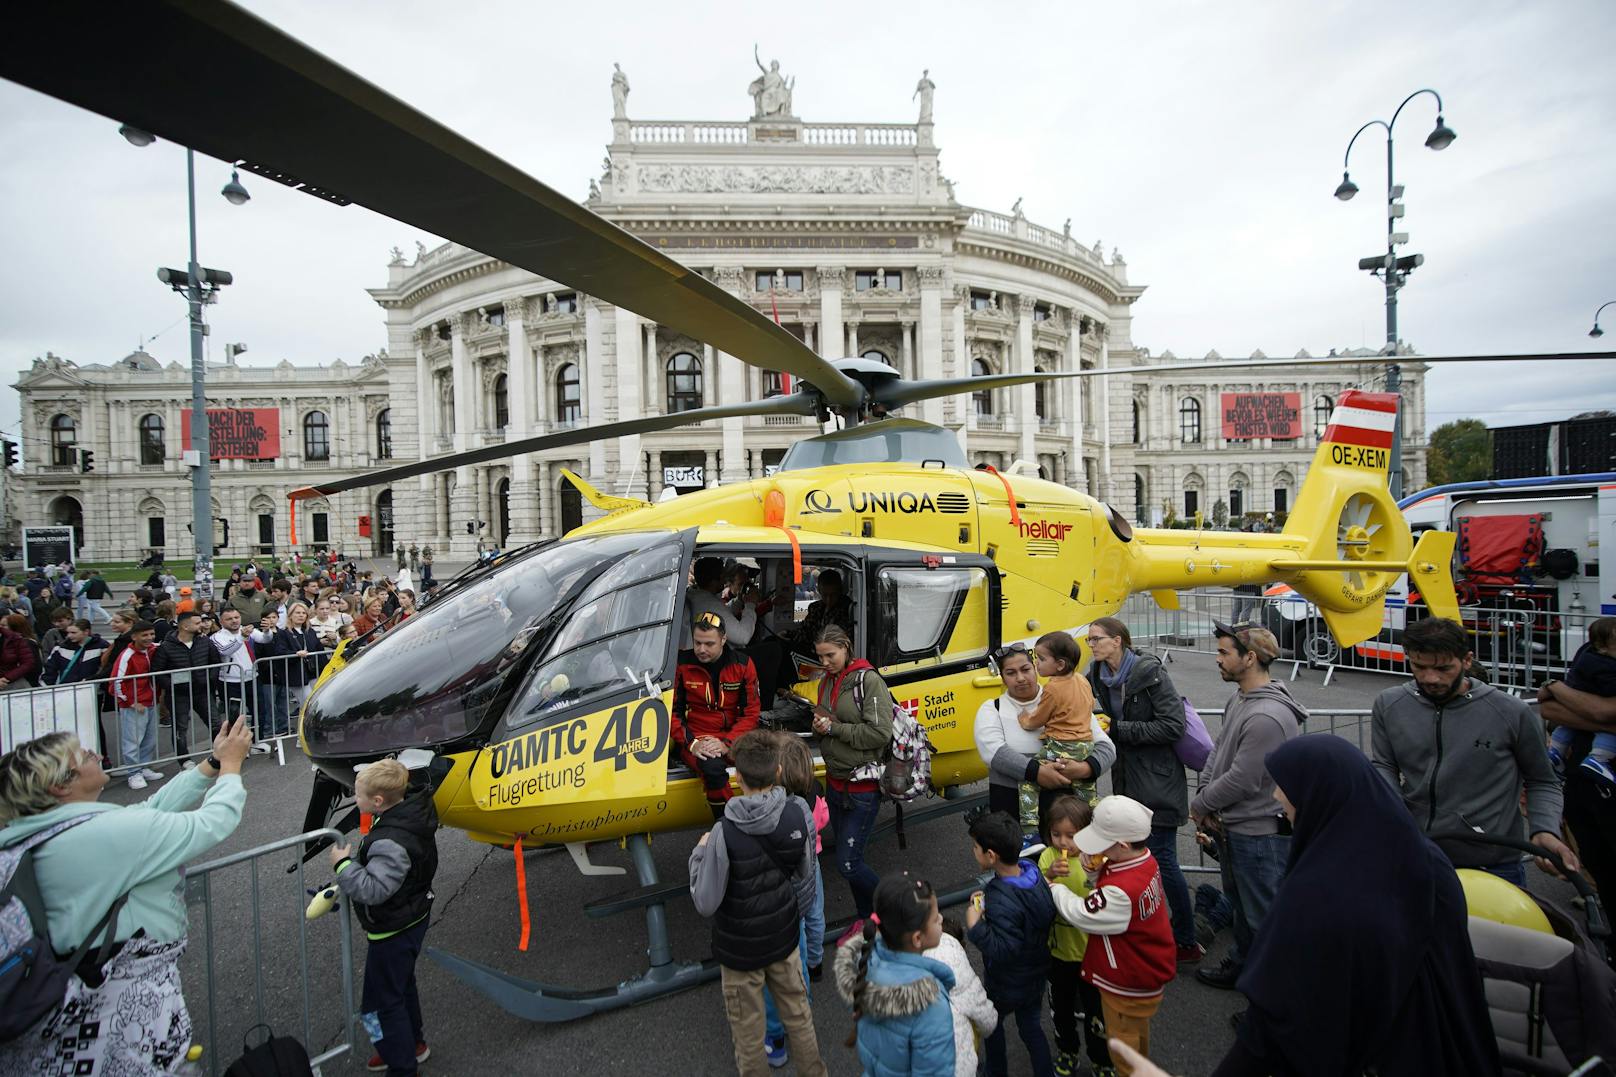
x: 1459, y: 752
x: 1236, y: 800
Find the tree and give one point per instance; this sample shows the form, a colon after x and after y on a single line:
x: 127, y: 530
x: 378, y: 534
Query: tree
x: 1220, y: 514
x: 1461, y: 451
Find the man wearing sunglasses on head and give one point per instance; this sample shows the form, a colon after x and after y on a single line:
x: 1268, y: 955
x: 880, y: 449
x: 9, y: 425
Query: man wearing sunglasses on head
x: 1011, y: 753
x: 715, y: 702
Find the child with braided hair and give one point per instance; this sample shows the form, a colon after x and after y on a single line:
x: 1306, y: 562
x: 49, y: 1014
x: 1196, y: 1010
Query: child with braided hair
x: 903, y: 1022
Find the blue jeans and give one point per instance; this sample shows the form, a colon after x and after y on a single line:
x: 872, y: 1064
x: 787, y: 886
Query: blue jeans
x: 1512, y: 872
x: 137, y: 735
x: 1029, y: 1023
x: 852, y: 817
x: 275, y: 704
x: 1253, y: 866
x: 1163, y: 845
x: 814, y: 922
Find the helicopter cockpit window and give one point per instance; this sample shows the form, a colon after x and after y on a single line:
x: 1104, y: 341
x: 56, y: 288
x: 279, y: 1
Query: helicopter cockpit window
x: 944, y: 617
x: 436, y: 676
x: 616, y: 635
x: 877, y: 443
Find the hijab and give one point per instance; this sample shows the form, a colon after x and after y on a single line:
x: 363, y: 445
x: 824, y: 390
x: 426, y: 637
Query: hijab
x: 1364, y: 959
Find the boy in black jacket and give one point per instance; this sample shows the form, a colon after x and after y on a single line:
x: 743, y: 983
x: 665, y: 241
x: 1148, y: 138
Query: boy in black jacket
x: 389, y: 881
x: 1009, y: 922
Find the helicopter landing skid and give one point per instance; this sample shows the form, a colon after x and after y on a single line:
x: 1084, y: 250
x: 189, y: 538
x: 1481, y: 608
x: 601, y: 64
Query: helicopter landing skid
x: 536, y: 1001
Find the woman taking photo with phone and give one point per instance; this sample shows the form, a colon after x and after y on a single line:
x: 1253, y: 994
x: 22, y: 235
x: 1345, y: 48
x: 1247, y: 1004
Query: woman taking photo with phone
x: 854, y: 723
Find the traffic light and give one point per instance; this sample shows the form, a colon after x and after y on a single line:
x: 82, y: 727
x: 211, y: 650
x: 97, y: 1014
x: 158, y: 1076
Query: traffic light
x: 11, y: 453
x: 86, y: 461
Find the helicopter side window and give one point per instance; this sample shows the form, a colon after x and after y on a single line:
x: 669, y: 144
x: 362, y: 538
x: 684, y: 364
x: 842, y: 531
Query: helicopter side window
x: 929, y: 617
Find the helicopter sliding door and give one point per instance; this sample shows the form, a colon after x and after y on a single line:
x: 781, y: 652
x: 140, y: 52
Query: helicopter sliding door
x: 932, y: 622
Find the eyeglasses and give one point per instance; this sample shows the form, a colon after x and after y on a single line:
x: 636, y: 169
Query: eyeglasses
x: 1092, y: 640
x: 1006, y: 651
x: 710, y: 620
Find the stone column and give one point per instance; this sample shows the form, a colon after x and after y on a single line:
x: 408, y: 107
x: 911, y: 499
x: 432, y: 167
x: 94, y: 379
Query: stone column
x: 808, y: 335
x: 709, y: 475
x: 852, y: 340
x: 463, y: 505
x: 906, y: 364
x: 655, y: 484
x: 1026, y: 402
x: 732, y: 389
x: 420, y: 518
x: 629, y: 340
x: 594, y: 398
x: 830, y: 308
x: 1107, y: 481
x: 929, y: 360
x: 962, y: 363
x: 519, y: 364
x: 1073, y: 391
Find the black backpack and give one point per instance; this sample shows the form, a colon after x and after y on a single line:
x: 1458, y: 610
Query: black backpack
x: 33, y: 979
x: 277, y: 1056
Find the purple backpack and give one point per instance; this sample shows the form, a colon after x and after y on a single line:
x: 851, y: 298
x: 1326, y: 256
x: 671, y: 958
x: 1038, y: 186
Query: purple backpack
x: 1194, y: 748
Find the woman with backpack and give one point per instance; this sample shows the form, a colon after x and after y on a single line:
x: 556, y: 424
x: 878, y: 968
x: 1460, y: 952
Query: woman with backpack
x: 1146, y: 719
x: 109, y: 880
x: 854, y: 722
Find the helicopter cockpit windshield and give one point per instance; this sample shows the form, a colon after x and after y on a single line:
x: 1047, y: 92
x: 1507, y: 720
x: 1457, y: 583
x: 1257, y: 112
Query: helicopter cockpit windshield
x: 455, y: 664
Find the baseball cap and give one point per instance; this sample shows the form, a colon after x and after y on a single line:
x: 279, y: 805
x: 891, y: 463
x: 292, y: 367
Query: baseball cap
x: 1116, y: 818
x: 185, y: 590
x: 1249, y: 637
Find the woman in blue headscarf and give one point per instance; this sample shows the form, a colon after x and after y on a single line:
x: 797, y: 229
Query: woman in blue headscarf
x: 1364, y: 961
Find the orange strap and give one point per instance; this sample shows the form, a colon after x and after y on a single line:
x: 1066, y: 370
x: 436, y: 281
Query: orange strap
x: 365, y: 821
x: 796, y: 554
x: 521, y: 894
x: 1015, y: 514
x: 293, y: 503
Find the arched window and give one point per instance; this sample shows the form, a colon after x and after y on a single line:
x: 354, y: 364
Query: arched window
x: 502, y: 402
x: 1189, y: 420
x: 1040, y: 398
x: 1237, y: 496
x: 1283, y: 482
x: 568, y: 407
x: 151, y: 439
x: 1140, y: 512
x: 1322, y: 407
x: 772, y: 384
x: 384, y: 434
x: 316, y: 436
x: 684, y: 383
x: 983, y: 400
x: 1136, y: 422
x: 64, y: 435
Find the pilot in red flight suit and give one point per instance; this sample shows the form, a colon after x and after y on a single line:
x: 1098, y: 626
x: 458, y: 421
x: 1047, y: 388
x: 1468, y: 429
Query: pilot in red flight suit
x: 715, y: 701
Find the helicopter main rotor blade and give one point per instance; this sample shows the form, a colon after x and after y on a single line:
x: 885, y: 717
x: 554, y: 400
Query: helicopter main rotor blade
x: 792, y: 404
x: 209, y: 75
x: 897, y: 393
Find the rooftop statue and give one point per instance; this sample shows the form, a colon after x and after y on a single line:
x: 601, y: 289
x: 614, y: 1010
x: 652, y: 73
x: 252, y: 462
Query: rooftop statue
x: 771, y: 92
x: 923, y: 90
x: 619, y: 93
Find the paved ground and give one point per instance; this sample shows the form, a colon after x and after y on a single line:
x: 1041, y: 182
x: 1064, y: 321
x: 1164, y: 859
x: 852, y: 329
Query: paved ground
x: 476, y: 916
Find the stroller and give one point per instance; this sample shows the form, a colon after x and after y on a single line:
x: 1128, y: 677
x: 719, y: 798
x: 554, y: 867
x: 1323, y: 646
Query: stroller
x: 1552, y: 998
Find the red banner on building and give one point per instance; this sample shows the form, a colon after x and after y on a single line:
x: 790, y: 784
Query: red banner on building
x: 238, y: 433
x: 1262, y: 415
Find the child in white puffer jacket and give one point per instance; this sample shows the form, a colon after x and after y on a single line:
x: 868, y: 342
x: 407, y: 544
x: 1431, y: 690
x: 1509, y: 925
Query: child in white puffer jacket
x: 974, y: 1015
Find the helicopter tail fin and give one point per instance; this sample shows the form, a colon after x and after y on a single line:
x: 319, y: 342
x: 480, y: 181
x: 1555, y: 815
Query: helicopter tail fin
x: 607, y: 503
x: 1355, y: 540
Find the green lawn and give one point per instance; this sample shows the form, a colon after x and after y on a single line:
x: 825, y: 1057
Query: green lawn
x: 122, y: 571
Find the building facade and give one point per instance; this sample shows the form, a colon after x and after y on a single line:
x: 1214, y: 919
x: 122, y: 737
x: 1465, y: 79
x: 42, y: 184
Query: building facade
x: 849, y: 233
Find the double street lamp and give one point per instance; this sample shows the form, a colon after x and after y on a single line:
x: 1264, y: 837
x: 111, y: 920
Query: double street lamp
x: 199, y: 286
x: 1597, y: 332
x: 1389, y: 267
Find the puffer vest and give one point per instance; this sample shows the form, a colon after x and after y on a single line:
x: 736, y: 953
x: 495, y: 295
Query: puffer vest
x: 413, y: 824
x: 757, y: 922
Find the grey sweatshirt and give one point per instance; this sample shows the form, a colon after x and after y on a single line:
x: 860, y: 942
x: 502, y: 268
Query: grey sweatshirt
x: 758, y: 813
x: 1237, y: 787
x: 1461, y: 764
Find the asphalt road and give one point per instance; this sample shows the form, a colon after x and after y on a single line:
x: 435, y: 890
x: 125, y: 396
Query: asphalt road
x: 476, y: 916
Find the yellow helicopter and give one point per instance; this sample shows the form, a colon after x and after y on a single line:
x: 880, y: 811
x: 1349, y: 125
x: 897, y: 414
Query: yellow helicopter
x: 537, y: 688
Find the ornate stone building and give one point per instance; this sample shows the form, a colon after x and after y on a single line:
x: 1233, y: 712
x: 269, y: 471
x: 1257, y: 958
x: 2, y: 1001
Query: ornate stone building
x: 849, y: 231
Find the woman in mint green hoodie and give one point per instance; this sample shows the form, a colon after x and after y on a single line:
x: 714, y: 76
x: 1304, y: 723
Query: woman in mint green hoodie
x: 134, y: 1005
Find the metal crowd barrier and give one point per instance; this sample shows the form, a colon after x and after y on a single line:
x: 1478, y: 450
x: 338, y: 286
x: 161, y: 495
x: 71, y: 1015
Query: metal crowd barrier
x: 290, y: 989
x: 209, y: 695
x: 1518, y: 646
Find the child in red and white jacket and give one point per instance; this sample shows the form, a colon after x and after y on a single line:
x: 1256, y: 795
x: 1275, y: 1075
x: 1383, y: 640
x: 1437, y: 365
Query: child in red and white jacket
x: 1131, y: 956
x: 136, y: 699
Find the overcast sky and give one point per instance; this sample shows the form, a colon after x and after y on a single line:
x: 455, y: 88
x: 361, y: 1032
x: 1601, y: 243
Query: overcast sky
x: 1203, y: 139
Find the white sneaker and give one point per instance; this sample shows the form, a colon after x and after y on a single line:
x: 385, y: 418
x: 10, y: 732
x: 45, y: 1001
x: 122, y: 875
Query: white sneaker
x: 136, y: 781
x: 151, y: 775
x: 189, y: 764
x: 263, y: 747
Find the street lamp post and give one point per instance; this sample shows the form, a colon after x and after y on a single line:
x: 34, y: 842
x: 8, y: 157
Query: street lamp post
x: 1389, y: 267
x: 199, y: 286
x: 1597, y: 332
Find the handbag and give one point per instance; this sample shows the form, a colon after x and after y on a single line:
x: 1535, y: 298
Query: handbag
x: 1194, y: 748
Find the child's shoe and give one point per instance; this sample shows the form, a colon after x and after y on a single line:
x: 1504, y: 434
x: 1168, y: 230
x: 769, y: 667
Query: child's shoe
x: 776, y: 1052
x: 855, y: 929
x: 1031, y: 845
x: 1601, y: 771
x: 1557, y: 761
x: 376, y: 1065
x: 1067, y: 1064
